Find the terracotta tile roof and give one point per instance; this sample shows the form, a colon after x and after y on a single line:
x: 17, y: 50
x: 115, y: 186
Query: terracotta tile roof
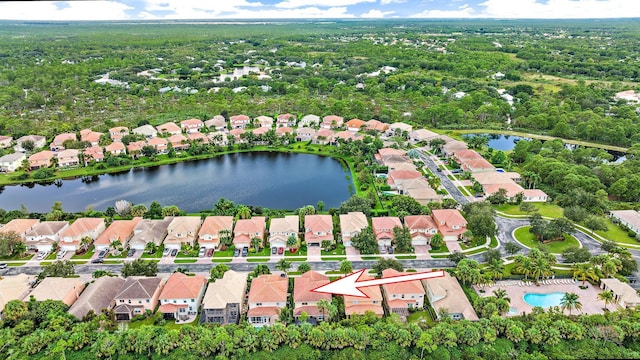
x: 181, y: 286
x: 360, y: 309
x: 57, y: 288
x: 177, y: 139
x: 94, y: 152
x: 216, y: 121
x: 118, y: 131
x: 256, y: 224
x: 264, y: 311
x: 383, y: 226
x: 311, y: 310
x: 308, y: 281
x: 239, y: 119
x: 19, y: 226
x: 230, y: 289
x: 445, y: 292
x: 353, y: 222
x: 476, y: 165
x: 268, y: 289
x: 325, y: 132
x: 329, y: 119
x: 417, y: 222
x: 139, y: 287
x: 345, y: 135
x: 284, y: 130
x: 260, y: 131
x: 212, y: 225
x: 120, y: 230
x: 46, y: 228
x: 286, y: 117
x: 114, y: 147
x: 198, y: 136
x: 236, y: 132
x: 467, y: 154
x: 171, y: 308
x: 404, y: 174
x: 534, y: 193
x: 169, y: 127
x: 492, y: 177
x: 306, y: 131
x: 446, y: 219
x: 405, y: 287
x: 90, y: 136
x: 82, y: 226
x: 391, y: 151
x: 512, y: 188
x: 136, y: 146
x: 373, y: 293
x: 376, y: 125
x: 61, y: 138
x: 191, y: 123
x: 97, y: 296
x: 355, y: 123
x: 155, y: 141
x: 264, y: 120
x: 315, y: 224
x: 42, y: 155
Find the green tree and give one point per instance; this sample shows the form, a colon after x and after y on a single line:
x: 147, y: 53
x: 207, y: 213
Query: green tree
x: 256, y: 242
x: 243, y: 212
x: 57, y: 269
x: 15, y: 310
x: 320, y: 206
x: 304, y: 267
x: 575, y: 254
x: 386, y: 263
x: 570, y: 301
x: 437, y: 241
x: 468, y: 271
x: 151, y: 247
x: 283, y: 265
x: 346, y: 267
x: 402, y: 239
x: 217, y: 272
x: 456, y: 256
x: 155, y: 210
x: 584, y: 271
x: 355, y: 204
x: 608, y: 297
x: 595, y: 223
x: 138, y: 210
x: 292, y: 242
x: 9, y: 243
x: 365, y: 241
x: 139, y: 267
x: 511, y: 248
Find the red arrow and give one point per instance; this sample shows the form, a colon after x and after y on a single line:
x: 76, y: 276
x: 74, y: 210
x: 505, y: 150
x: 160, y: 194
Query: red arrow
x: 349, y: 285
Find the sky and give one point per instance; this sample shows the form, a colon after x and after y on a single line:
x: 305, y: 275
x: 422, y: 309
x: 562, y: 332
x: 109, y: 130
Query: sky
x: 306, y: 9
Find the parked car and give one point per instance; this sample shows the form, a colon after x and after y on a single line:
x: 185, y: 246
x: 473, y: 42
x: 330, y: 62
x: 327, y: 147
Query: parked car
x: 61, y: 254
x: 245, y: 251
x: 236, y: 253
x: 383, y: 250
x: 103, y: 253
x: 174, y: 252
x: 131, y: 252
x: 439, y: 170
x: 209, y: 253
x: 42, y: 255
x: 202, y: 251
x: 280, y: 251
x: 274, y: 250
x: 390, y: 250
x: 166, y: 252
x: 97, y: 261
x: 3, y: 266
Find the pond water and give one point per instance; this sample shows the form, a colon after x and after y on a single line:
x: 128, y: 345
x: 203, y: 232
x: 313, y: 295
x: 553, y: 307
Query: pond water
x: 272, y: 180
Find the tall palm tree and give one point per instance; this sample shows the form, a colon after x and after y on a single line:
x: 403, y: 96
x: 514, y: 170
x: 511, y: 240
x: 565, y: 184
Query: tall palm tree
x: 501, y: 294
x: 255, y: 242
x: 540, y: 268
x: 243, y: 212
x: 608, y: 298
x: 346, y: 267
x: 496, y: 269
x: 324, y: 305
x: 524, y: 265
x: 570, y: 301
x: 584, y: 271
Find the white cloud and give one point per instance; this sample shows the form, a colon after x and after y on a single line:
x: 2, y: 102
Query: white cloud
x: 561, y: 8
x: 292, y: 4
x: 387, y: 2
x: 303, y: 13
x: 462, y: 12
x: 374, y: 13
x: 72, y: 10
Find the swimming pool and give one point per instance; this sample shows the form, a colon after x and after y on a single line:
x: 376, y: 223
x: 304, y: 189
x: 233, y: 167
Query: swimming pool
x: 544, y: 300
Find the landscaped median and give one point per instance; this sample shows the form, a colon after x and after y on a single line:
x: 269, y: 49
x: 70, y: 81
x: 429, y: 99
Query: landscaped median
x: 529, y: 240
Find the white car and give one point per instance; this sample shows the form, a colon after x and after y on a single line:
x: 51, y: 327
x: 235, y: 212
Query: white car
x: 61, y: 254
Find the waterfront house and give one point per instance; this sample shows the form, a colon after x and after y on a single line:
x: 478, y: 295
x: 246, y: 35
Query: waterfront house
x: 218, y: 138
x: 400, y: 297
x: 305, y: 300
x: 191, y: 125
x: 136, y: 296
x: 223, y: 302
x: 98, y: 296
x: 318, y: 228
x: 92, y: 137
x: 181, y: 296
x: 58, y: 142
x: 267, y: 297
x: 182, y: 230
x: 352, y: 224
x: 160, y: 144
x: 396, y: 177
x: 19, y: 226
x: 332, y: 122
x: 451, y: 224
x: 12, y: 162
x: 94, y: 153
x: 284, y: 131
x: 168, y: 129
x: 286, y: 120
x: 147, y: 131
x: 115, y: 148
x: 354, y: 305
x: 44, y: 234
x: 197, y: 137
x: 323, y: 137
x: 239, y: 121
x: 213, y: 230
x: 446, y: 293
x: 247, y: 229
x: 305, y: 134
x: 179, y: 142
x: 68, y: 158
x: 41, y: 159
x: 149, y: 230
x: 119, y: 230
x: 38, y: 142
x: 281, y: 229
x: 71, y: 237
x: 421, y: 227
x: 62, y: 289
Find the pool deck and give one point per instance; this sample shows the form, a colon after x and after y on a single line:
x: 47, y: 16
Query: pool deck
x: 588, y: 297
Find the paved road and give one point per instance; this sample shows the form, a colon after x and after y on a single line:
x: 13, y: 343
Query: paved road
x: 444, y: 180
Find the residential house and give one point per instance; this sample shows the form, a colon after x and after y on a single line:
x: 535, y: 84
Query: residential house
x: 421, y: 227
x: 351, y: 224
x: 477, y: 165
x: 97, y: 296
x: 71, y: 237
x: 263, y: 121
x: 402, y: 166
x: 398, y: 128
x: 179, y: 142
x: 118, y: 132
x: 44, y: 234
x: 422, y: 135
x: 119, y: 230
x: 5, y: 141
x: 58, y: 142
x: 281, y: 229
x: 260, y: 131
x: 247, y: 229
x: 236, y: 133
x: 323, y: 137
x: 384, y: 152
x: 404, y: 185
x: 67, y: 290
x: 623, y: 294
x: 451, y: 224
x: 181, y: 296
x: 376, y: 125
x: 12, y: 162
x: 305, y: 300
x: 218, y: 122
x: 494, y: 177
x: 383, y: 228
x: 284, y: 131
x: 305, y: 134
x: 355, y: 305
x: 512, y: 189
x: 318, y: 228
x: 90, y: 136
x: 396, y: 177
x: 198, y: 137
x: 309, y: 120
x: 332, y: 122
x: 116, y: 148
x: 159, y: 144
x: 224, y: 300
x: 465, y: 155
x: 628, y: 218
x: 149, y: 230
x: 41, y: 159
x: 218, y: 138
x: 354, y: 125
x: 168, y: 128
x: 147, y: 131
x: 451, y: 146
x: 345, y: 136
x: 286, y: 120
x: 19, y: 226
x: 38, y: 142
x: 423, y: 195
x: 135, y: 148
x: 15, y: 287
x: 136, y: 296
x: 402, y: 296
x: 534, y: 195
x: 68, y: 158
x: 446, y: 293
x: 94, y: 153
x: 267, y: 296
x: 239, y: 121
x: 191, y: 125
x: 213, y: 229
x: 182, y: 230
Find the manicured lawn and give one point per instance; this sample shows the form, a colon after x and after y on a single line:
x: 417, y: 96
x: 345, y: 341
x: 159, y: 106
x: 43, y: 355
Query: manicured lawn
x: 550, y: 210
x: 476, y: 251
x: 464, y: 191
x: 113, y: 262
x: 26, y: 256
x: 616, y: 234
x: 405, y: 257
x: 220, y: 260
x: 85, y: 256
x: 441, y: 249
x: 420, y: 317
x: 264, y: 252
x: 262, y: 260
x: 475, y: 242
x: 301, y: 252
x: 224, y: 253
x: 122, y: 255
x: 333, y: 258
x: 370, y: 257
x: 494, y: 242
x: 332, y: 272
x: 51, y: 256
x: 155, y: 255
x: 184, y: 261
x: 16, y: 264
x: 528, y: 239
x: 339, y: 250
x: 149, y: 322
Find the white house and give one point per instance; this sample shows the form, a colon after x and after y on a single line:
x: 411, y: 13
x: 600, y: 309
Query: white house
x: 12, y: 162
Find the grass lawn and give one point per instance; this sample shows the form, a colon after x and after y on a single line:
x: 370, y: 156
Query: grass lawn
x: 16, y: 264
x: 264, y: 252
x: 51, y: 256
x: 616, y: 234
x: 301, y: 252
x: 422, y: 317
x: 155, y: 255
x: 370, y: 257
x: 441, y: 249
x: 262, y: 260
x: 474, y: 243
x: 184, y: 261
x: 149, y: 322
x: 113, y: 262
x: 476, y: 251
x: 463, y: 190
x: 405, y: 257
x: 550, y: 210
x: 85, y: 256
x: 220, y: 260
x: 528, y: 239
x: 123, y: 255
x: 26, y: 256
x: 224, y: 253
x: 333, y: 272
x: 494, y: 242
x: 339, y: 250
x: 451, y: 177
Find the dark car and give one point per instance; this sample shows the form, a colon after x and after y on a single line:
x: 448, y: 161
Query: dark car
x: 102, y: 254
x: 274, y: 250
x: 245, y: 251
x: 236, y: 253
x: 97, y: 261
x: 209, y: 253
x: 174, y: 252
x: 280, y: 251
x: 131, y: 252
x: 439, y: 170
x: 390, y: 250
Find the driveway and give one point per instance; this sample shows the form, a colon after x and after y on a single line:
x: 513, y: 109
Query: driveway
x: 453, y: 246
x: 314, y: 253
x: 422, y: 252
x: 352, y: 253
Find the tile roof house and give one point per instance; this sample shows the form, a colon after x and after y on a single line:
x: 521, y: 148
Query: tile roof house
x: 422, y: 135
x: 84, y: 227
x: 260, y: 130
x: 239, y: 121
x: 37, y: 140
x: 423, y: 195
x: 198, y: 137
x: 58, y: 142
x: 90, y: 136
x: 93, y: 153
x: 247, y: 229
x: 181, y: 296
x: 12, y: 162
x: 318, y: 228
x: 512, y: 189
x: 354, y: 125
x: 182, y: 230
x: 286, y: 120
x: 5, y: 141
x: 116, y: 148
x: 97, y: 296
x: 267, y: 296
x: 62, y: 289
x: 309, y: 120
x: 332, y: 122
x: 390, y: 160
x: 159, y: 144
x: 119, y: 230
x: 446, y: 293
x: 376, y: 125
x: 305, y: 134
x: 451, y: 224
x: 399, y: 128
x: 43, y: 235
x: 306, y: 300
x: 354, y: 305
x: 224, y: 300
x: 476, y: 165
x: 213, y: 229
x: 383, y: 228
x: 282, y: 131
x: 391, y: 151
x: 351, y: 224
x: 169, y: 128
x: 281, y: 229
x: 323, y: 137
x: 402, y: 296
x: 68, y: 158
x: 136, y: 296
x: 14, y: 287
x: 149, y: 230
x: 118, y: 132
x: 179, y: 142
x: 20, y: 226
x: 191, y: 125
x: 263, y: 121
x: 218, y: 138
x: 534, y: 195
x: 493, y: 177
x: 343, y: 135
x: 452, y: 146
x: 395, y: 177
x: 623, y: 294
x: 236, y: 133
x: 41, y: 159
x: 421, y: 227
x: 147, y: 131
x: 218, y: 122
x: 628, y: 218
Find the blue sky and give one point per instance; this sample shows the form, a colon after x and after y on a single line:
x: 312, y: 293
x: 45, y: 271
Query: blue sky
x: 278, y: 9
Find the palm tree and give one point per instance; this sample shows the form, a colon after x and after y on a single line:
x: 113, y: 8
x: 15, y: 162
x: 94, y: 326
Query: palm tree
x: 524, y: 265
x: 292, y: 242
x: 496, y: 269
x: 346, y: 267
x: 283, y: 265
x: 255, y: 242
x: 243, y: 212
x: 85, y: 242
x: 584, y: 271
x: 501, y: 294
x: 540, y: 268
x: 150, y: 247
x: 323, y: 305
x: 115, y: 245
x: 570, y: 301
x: 608, y: 298
x: 225, y: 237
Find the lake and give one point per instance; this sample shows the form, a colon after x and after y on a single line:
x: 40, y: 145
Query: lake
x: 272, y: 180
